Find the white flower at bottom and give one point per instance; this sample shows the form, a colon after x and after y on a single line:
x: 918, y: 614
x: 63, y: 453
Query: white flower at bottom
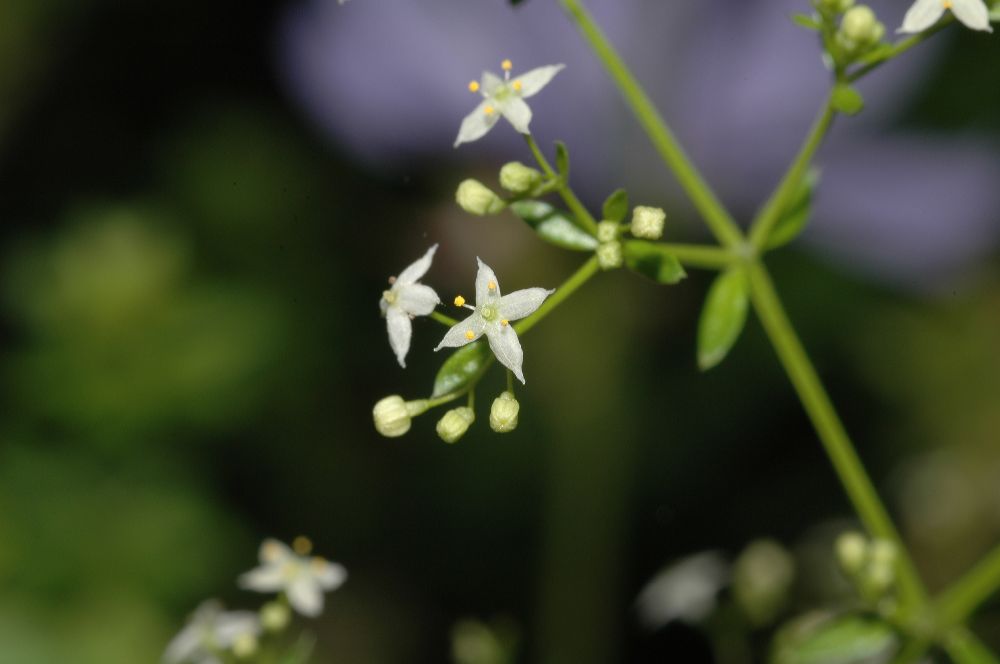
x: 405, y: 299
x: 492, y: 316
x: 301, y: 577
x: 503, y: 96
x: 210, y: 632
x: 923, y: 14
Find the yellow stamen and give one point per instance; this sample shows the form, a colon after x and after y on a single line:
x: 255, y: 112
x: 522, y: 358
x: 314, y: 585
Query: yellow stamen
x: 302, y: 545
x: 506, y: 65
x: 946, y: 4
x: 392, y: 280
x: 488, y: 110
x: 272, y: 551
x: 516, y: 85
x: 505, y: 322
x: 318, y: 564
x: 470, y: 335
x: 492, y: 285
x: 459, y: 301
x: 473, y: 86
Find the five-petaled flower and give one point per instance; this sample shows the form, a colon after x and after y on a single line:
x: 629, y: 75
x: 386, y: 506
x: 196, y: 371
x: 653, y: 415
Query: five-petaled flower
x: 301, y: 577
x: 406, y: 299
x: 492, y: 316
x: 925, y: 13
x: 211, y: 631
x: 504, y: 96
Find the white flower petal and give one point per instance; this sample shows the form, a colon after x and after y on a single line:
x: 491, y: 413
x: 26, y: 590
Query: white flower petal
x: 233, y: 624
x: 273, y: 551
x: 329, y: 576
x: 267, y: 578
x: 533, y: 81
x: 305, y: 596
x: 476, y: 124
x: 400, y: 331
x: 458, y: 334
x: 523, y: 302
x: 506, y: 346
x: 417, y: 299
x: 485, y: 277
x: 518, y: 114
x: 417, y: 269
x: 490, y: 83
x: 922, y: 15
x: 973, y: 13
x: 183, y: 646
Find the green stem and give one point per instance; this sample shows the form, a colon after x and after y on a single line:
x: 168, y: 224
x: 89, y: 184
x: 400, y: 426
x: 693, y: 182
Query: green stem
x: 962, y: 646
x: 899, y: 48
x: 510, y: 381
x: 444, y: 320
x: 451, y: 396
x: 580, y: 213
x: 715, y: 215
x: 958, y: 602
x: 697, y: 255
x: 838, y: 446
x: 577, y: 279
x: 782, y: 197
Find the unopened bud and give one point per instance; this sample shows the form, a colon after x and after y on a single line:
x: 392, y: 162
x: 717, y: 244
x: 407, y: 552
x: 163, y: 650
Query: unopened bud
x: 609, y: 255
x: 647, y: 222
x: 245, y: 645
x: 762, y: 578
x: 476, y: 198
x: 852, y: 552
x: 517, y: 178
x: 455, y: 423
x: 860, y: 28
x: 607, y: 231
x: 274, y: 616
x: 392, y: 415
x: 503, y: 413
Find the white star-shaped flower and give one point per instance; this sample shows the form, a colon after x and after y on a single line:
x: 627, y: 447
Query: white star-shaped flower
x: 925, y: 13
x: 210, y: 632
x: 504, y: 96
x: 301, y: 577
x: 492, y: 316
x: 406, y: 299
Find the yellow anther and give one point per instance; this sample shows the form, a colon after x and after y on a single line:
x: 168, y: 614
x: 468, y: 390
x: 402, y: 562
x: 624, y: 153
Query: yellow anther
x: 488, y: 110
x: 473, y: 86
x: 392, y: 280
x: 302, y: 545
x: 470, y: 335
x: 459, y: 301
x: 271, y: 551
x: 946, y: 4
x: 318, y: 564
x: 506, y: 65
x: 492, y: 285
x: 505, y: 322
x: 516, y: 85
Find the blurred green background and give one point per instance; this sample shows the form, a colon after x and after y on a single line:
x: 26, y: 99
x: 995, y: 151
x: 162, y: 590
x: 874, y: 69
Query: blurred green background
x: 191, y: 349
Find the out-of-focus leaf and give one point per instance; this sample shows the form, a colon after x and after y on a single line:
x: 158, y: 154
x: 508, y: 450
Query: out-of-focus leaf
x: 554, y: 225
x: 562, y: 160
x: 463, y: 365
x: 847, y: 100
x: 995, y: 14
x: 806, y: 21
x: 847, y: 640
x: 723, y: 317
x: 795, y: 218
x: 616, y: 206
x: 653, y: 261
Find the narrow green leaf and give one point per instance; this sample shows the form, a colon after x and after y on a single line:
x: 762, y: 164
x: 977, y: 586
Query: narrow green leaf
x: 793, y: 220
x: 562, y: 160
x: 807, y: 22
x: 616, y: 206
x: 847, y: 640
x: 653, y: 261
x: 847, y: 100
x: 723, y: 317
x: 463, y: 365
x: 554, y: 225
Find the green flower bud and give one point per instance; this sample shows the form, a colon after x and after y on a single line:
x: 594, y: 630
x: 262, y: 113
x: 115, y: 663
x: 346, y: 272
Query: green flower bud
x: 503, y: 413
x: 455, y: 423
x: 275, y: 616
x: 835, y: 6
x: 245, y: 645
x: 609, y: 255
x: 860, y: 28
x: 517, y: 178
x: 762, y: 580
x: 392, y: 415
x: 476, y: 198
x: 607, y: 231
x: 852, y: 552
x: 647, y: 222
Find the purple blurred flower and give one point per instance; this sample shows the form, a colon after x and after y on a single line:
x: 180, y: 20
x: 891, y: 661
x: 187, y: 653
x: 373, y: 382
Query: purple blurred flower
x: 737, y: 80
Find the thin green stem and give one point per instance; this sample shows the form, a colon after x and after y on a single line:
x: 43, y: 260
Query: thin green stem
x: 472, y: 398
x: 718, y: 219
x: 831, y: 432
x: 580, y: 212
x: 577, y: 279
x: 783, y: 195
x: 962, y: 646
x: 444, y: 320
x: 899, y: 48
x: 703, y: 256
x: 958, y: 602
x: 451, y: 396
x: 510, y: 381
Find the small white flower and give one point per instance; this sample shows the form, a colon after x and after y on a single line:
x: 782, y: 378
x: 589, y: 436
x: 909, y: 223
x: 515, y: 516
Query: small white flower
x: 504, y: 96
x: 925, y: 13
x: 406, y: 299
x: 210, y: 632
x: 492, y: 315
x: 301, y: 577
